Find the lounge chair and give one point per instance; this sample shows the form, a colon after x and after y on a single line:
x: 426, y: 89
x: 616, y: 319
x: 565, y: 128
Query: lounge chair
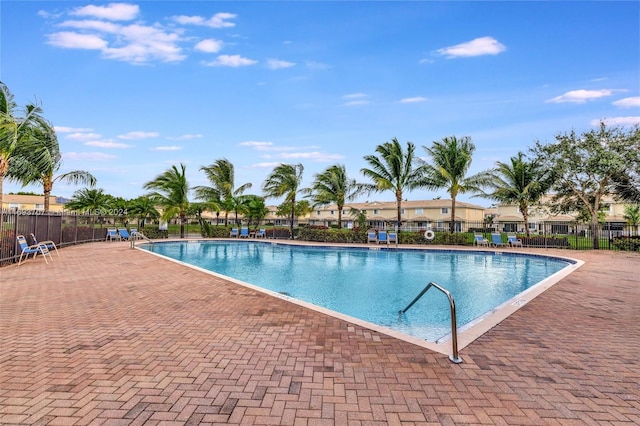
x: 496, y: 240
x: 382, y: 237
x: 244, y: 232
x: 233, y: 233
x: 26, y: 250
x: 261, y: 233
x: 112, y: 234
x: 124, y: 234
x: 480, y: 240
x: 135, y: 235
x: 514, y: 241
x: 50, y: 244
x: 392, y: 237
x: 372, y: 237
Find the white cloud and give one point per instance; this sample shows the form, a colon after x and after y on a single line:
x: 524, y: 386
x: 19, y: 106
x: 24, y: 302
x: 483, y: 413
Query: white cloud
x: 66, y: 129
x: 231, y: 61
x: 355, y: 99
x: 185, y: 137
x: 617, y: 121
x: 90, y: 156
x: 81, y: 136
x: 355, y: 96
x: 139, y: 135
x: 413, y: 100
x: 313, y: 156
x: 353, y: 103
x: 581, y: 96
x: 71, y: 40
x: 476, y: 47
x: 266, y: 165
x: 209, y: 46
x: 276, y: 64
x: 112, y: 11
x: 260, y: 146
x: 219, y: 20
x: 107, y: 144
x: 106, y: 27
x: 167, y: 148
x: 630, y: 102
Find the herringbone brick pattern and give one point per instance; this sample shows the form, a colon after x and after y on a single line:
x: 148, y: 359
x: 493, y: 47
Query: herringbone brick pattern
x: 111, y: 336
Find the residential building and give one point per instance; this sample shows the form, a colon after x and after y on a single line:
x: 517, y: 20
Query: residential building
x: 31, y: 203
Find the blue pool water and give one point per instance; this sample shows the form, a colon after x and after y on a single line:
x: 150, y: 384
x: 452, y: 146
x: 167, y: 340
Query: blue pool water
x: 373, y: 285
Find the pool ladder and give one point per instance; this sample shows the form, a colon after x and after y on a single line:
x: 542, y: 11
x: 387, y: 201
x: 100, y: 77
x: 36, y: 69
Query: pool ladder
x: 137, y: 236
x: 455, y: 358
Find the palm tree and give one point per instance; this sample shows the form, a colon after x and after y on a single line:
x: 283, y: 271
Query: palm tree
x: 254, y: 208
x: 170, y: 190
x: 144, y: 208
x: 520, y: 181
x: 393, y: 170
x: 333, y: 186
x: 451, y: 158
x: 632, y: 216
x: 222, y: 191
x: 14, y: 130
x: 26, y: 170
x: 285, y: 180
x: 89, y: 201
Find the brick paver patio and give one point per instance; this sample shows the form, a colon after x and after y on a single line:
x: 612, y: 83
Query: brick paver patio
x: 107, y: 335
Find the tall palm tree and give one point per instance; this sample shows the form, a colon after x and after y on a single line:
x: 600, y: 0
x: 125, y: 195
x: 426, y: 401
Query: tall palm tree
x: 520, y: 181
x: 39, y: 160
x: 170, y: 190
x: 333, y: 186
x: 394, y: 170
x: 222, y: 191
x: 285, y: 180
x: 632, y: 216
x: 451, y: 158
x: 14, y: 130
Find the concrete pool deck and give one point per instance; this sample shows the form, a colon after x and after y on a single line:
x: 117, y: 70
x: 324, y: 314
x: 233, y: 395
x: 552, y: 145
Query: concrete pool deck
x: 114, y: 336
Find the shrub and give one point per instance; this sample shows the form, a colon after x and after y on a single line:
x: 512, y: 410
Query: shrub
x: 626, y: 243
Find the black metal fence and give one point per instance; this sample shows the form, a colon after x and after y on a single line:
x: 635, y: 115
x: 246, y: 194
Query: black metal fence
x: 67, y: 229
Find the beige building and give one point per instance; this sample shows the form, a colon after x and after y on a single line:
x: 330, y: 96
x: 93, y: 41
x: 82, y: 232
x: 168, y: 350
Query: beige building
x: 33, y: 203
x: 507, y: 218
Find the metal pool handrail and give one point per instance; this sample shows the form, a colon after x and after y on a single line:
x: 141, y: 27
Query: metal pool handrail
x: 452, y: 304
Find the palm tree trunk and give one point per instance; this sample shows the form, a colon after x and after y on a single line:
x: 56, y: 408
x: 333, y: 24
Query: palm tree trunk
x: 182, y: 218
x: 47, y: 186
x: 452, y: 222
x: 293, y: 215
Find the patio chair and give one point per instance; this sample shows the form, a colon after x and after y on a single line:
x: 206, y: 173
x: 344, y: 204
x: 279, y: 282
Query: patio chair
x: 135, y: 235
x: 480, y: 240
x: 244, y: 232
x: 372, y: 237
x: 50, y: 244
x: 496, y: 240
x: 233, y: 233
x: 392, y: 237
x: 382, y: 237
x: 112, y: 234
x: 26, y: 250
x: 124, y: 234
x: 262, y: 233
x: 514, y: 241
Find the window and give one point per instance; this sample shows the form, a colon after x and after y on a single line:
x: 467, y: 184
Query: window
x: 14, y: 206
x: 344, y: 212
x: 38, y: 206
x: 419, y: 212
x: 317, y: 212
x: 331, y: 212
x: 375, y: 211
x: 401, y: 212
x: 532, y: 226
x: 444, y: 210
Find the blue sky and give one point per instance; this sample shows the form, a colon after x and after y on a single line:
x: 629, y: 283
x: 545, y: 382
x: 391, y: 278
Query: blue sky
x: 135, y: 87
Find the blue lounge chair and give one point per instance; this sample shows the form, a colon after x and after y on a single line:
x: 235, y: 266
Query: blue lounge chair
x: 234, y: 233
x: 372, y: 237
x: 392, y: 237
x: 26, y: 250
x: 124, y: 234
x: 480, y: 240
x: 261, y: 233
x: 514, y: 241
x: 496, y: 240
x: 50, y: 244
x: 112, y: 234
x: 244, y: 232
x: 382, y: 237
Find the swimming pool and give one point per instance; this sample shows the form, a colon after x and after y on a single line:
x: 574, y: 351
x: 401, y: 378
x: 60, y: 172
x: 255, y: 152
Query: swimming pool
x: 374, y: 284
